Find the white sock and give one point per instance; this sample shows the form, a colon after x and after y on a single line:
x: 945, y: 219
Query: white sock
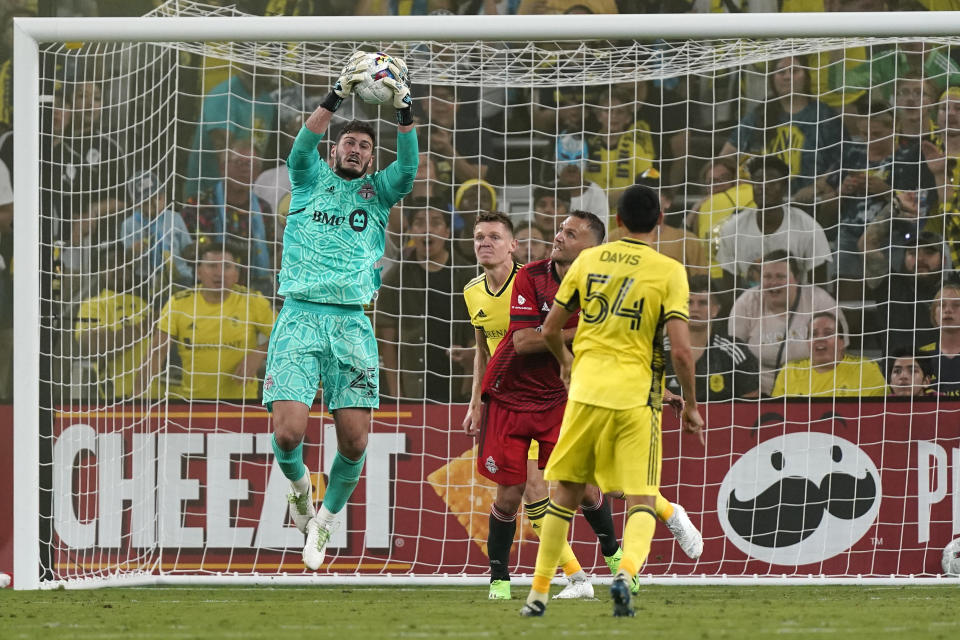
x: 325, y: 517
x: 302, y: 486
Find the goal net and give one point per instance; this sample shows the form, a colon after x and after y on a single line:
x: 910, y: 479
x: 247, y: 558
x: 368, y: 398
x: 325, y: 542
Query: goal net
x: 807, y: 185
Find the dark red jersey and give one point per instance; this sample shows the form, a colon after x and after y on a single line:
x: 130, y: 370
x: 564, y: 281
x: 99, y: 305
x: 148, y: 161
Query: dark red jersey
x: 529, y: 382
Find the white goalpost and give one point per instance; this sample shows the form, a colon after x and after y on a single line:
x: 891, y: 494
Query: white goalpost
x: 139, y: 458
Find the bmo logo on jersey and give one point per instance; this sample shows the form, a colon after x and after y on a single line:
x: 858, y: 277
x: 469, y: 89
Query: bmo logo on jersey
x: 325, y: 218
x: 800, y: 498
x: 357, y: 220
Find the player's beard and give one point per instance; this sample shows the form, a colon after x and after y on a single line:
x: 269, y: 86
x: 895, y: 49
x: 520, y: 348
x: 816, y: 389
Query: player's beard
x: 347, y: 172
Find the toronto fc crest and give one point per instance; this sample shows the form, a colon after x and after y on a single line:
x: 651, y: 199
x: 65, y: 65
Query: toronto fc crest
x: 366, y: 191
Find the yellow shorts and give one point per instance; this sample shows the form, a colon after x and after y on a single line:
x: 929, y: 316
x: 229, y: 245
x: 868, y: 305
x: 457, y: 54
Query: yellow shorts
x: 533, y: 453
x: 617, y: 450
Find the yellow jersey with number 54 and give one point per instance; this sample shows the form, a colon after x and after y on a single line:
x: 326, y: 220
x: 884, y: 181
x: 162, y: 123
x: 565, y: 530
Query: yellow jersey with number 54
x: 626, y: 292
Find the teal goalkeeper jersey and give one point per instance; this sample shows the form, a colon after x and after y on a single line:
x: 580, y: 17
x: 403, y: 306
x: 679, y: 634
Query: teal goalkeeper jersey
x: 336, y: 227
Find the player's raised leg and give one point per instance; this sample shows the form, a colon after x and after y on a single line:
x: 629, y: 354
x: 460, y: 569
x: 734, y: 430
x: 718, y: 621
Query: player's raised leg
x: 353, y: 426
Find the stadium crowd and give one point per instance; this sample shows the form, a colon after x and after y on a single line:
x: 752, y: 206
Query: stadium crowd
x: 817, y: 213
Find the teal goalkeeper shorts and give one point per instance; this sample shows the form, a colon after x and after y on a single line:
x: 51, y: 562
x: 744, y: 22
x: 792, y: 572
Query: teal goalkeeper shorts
x: 311, y: 342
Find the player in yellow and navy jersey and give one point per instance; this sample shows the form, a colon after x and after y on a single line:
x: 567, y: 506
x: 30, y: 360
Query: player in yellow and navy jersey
x: 627, y: 294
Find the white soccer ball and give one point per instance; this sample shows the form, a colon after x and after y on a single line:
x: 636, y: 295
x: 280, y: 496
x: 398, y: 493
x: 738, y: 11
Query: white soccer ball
x: 951, y: 559
x: 371, y: 89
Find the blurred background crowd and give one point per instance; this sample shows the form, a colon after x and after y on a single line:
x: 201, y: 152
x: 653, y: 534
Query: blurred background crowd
x: 813, y: 199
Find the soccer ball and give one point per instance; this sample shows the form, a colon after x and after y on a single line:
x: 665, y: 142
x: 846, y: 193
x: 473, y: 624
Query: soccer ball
x: 951, y: 559
x: 371, y: 89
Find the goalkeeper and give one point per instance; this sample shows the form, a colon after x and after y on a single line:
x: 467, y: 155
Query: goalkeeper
x: 334, y: 237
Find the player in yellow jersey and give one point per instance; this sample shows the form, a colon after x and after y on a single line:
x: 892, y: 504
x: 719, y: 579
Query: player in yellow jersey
x: 220, y: 330
x: 627, y: 294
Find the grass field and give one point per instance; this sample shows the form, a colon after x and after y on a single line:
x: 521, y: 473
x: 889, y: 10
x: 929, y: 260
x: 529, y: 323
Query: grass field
x: 357, y: 613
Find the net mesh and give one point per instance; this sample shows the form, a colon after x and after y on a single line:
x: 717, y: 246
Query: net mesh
x: 164, y: 185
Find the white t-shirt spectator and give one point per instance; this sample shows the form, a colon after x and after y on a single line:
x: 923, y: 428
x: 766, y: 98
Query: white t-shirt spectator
x: 780, y: 337
x: 594, y: 200
x: 741, y: 243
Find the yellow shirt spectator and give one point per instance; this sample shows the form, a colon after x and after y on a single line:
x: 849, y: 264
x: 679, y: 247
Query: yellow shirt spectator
x: 829, y: 371
x: 212, y: 338
x: 851, y: 377
x: 110, y: 325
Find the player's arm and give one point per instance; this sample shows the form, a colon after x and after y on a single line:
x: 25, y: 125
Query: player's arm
x: 684, y: 365
x: 553, y: 338
x: 530, y: 340
x: 471, y: 422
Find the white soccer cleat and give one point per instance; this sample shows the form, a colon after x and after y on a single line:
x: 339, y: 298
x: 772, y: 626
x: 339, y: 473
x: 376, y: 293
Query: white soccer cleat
x: 301, y: 508
x: 687, y: 535
x: 316, y: 547
x: 576, y: 590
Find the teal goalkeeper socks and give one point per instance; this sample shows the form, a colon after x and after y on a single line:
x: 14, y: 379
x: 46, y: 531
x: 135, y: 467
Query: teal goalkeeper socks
x: 291, y: 462
x: 344, y: 476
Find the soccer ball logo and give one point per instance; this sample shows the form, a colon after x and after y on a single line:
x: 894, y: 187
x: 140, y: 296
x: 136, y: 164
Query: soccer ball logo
x: 371, y: 89
x: 951, y: 559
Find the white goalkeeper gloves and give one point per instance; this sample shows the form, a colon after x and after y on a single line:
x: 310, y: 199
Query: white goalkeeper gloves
x: 400, y: 84
x: 352, y: 74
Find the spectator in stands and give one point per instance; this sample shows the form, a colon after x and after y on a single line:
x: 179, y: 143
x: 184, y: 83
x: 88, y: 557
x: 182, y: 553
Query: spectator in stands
x: 913, y: 98
x: 456, y: 152
x: 773, y: 319
x: 273, y: 183
x: 243, y: 107
x: 623, y: 147
x: 583, y: 194
x: 870, y: 172
x: 418, y: 329
x: 532, y: 245
x: 725, y: 368
x: 87, y: 159
x: 905, y: 297
x: 829, y: 371
x: 726, y: 195
x: 941, y: 358
x: 942, y: 155
x: 154, y: 235
x: 907, y: 378
x: 472, y: 197
x: 113, y: 326
x: 220, y: 330
x: 427, y: 187
x: 6, y: 284
x: 803, y: 133
x: 230, y: 212
x: 679, y: 244
x: 774, y: 225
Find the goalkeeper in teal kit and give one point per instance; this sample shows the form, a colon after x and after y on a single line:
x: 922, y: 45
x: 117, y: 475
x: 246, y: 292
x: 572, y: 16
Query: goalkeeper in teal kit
x: 334, y: 236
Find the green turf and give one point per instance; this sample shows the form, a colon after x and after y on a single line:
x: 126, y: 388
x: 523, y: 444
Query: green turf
x: 357, y: 613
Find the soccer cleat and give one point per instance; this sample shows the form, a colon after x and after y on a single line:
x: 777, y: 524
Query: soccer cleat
x: 533, y: 609
x: 686, y: 534
x: 576, y: 589
x: 499, y: 590
x: 613, y: 563
x: 620, y: 593
x: 301, y: 509
x: 316, y: 547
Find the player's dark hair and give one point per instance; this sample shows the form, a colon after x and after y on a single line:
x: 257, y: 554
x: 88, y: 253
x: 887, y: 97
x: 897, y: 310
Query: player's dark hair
x: 639, y: 208
x: 357, y: 126
x: 593, y: 223
x: 792, y: 263
x: 495, y: 216
x: 699, y: 284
